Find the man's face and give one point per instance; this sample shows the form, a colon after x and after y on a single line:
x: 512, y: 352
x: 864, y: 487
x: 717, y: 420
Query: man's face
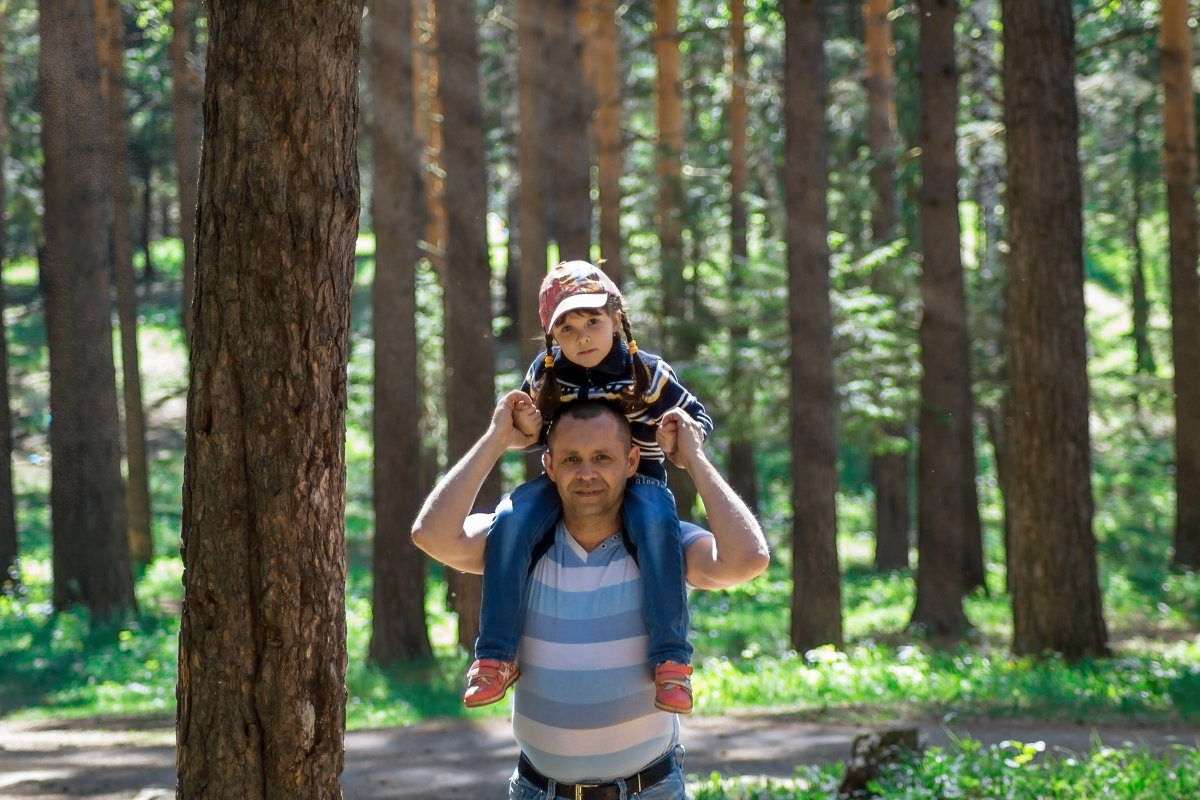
x: 589, y: 460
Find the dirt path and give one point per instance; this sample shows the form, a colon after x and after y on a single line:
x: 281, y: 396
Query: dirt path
x: 134, y: 759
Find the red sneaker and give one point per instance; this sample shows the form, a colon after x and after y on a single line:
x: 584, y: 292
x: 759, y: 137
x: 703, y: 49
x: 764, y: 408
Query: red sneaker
x: 488, y: 681
x: 673, y: 688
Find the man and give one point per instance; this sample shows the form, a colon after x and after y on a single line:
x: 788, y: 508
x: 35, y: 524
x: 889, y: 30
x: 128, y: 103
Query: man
x: 583, y: 711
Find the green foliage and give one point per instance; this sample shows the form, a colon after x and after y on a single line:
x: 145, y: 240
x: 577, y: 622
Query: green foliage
x: 1008, y: 771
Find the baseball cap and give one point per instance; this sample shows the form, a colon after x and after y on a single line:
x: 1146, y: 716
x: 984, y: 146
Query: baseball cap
x: 570, y: 286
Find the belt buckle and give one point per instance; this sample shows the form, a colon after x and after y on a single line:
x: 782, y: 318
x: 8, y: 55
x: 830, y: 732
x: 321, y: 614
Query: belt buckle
x: 579, y: 787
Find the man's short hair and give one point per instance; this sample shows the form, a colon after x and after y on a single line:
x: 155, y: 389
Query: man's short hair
x: 591, y: 409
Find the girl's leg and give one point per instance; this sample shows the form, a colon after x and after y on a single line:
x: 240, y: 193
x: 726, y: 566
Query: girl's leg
x: 650, y: 520
x: 520, y: 524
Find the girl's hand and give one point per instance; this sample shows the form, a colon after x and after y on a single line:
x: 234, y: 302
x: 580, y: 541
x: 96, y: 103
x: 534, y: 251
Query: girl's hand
x: 680, y: 437
x: 525, y: 415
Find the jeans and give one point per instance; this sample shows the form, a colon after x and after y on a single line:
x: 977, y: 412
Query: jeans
x: 669, y: 788
x: 652, y: 527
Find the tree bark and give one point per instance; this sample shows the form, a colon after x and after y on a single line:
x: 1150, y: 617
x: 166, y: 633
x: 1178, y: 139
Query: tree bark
x: 816, y: 598
x: 890, y: 473
x: 743, y: 476
x: 261, y: 695
x: 110, y: 42
x: 9, y: 550
x: 945, y: 456
x: 466, y: 275
x: 1179, y: 131
x: 1054, y: 581
x: 566, y: 148
x: 610, y: 154
x: 187, y: 130
x: 398, y: 625
x: 670, y: 175
x: 91, y: 550
x: 530, y: 158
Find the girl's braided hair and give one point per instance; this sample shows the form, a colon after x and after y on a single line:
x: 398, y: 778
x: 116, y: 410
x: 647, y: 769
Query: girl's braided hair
x: 547, y: 392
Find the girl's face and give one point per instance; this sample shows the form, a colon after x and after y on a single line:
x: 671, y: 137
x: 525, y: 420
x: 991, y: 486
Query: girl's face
x: 586, y: 335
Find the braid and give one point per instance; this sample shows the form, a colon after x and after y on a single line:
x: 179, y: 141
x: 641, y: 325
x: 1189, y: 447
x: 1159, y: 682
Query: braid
x: 633, y: 398
x: 547, y: 394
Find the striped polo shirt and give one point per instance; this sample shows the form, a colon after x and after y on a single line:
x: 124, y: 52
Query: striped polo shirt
x: 583, y: 710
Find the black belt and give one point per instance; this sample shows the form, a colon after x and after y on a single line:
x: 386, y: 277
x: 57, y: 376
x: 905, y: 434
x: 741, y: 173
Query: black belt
x: 600, y: 791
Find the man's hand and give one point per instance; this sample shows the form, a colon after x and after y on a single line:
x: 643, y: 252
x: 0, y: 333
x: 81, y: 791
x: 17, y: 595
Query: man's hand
x: 526, y: 417
x: 516, y: 420
x: 680, y: 437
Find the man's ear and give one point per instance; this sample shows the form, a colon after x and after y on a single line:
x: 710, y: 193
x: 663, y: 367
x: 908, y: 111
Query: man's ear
x: 548, y: 464
x: 635, y: 458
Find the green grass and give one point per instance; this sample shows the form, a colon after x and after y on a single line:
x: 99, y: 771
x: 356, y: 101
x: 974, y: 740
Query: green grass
x: 972, y: 771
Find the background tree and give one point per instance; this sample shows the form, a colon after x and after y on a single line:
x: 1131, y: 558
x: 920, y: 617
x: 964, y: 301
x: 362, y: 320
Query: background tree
x: 743, y: 476
x: 1179, y: 126
x: 261, y: 697
x: 566, y: 149
x: 890, y: 473
x: 817, y: 606
x: 604, y: 43
x: 945, y: 460
x: 398, y: 625
x: 1053, y: 579
x: 531, y: 197
x: 91, y: 550
x: 466, y: 273
x: 9, y: 549
x: 187, y: 129
x: 110, y: 45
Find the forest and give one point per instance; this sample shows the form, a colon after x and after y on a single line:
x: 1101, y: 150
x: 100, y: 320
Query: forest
x: 932, y: 269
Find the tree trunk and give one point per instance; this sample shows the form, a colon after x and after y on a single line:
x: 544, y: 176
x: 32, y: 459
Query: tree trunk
x: 890, y: 473
x: 91, y: 551
x: 986, y: 159
x: 110, y: 42
x: 1143, y: 353
x: 1179, y: 131
x: 9, y: 550
x: 670, y: 175
x: 398, y: 625
x: 566, y: 147
x: 466, y: 275
x: 610, y: 159
x: 944, y: 465
x: 743, y: 476
x: 1054, y: 581
x: 187, y: 130
x: 530, y: 157
x: 816, y: 598
x: 262, y: 640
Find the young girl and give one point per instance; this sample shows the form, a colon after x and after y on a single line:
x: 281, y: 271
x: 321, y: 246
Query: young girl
x: 591, y: 354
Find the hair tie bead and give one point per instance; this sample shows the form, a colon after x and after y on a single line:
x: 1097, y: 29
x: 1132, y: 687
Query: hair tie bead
x: 548, y: 361
x: 632, y: 347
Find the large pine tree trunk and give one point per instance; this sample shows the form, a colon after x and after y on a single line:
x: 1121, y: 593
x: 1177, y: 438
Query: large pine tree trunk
x: 1179, y: 128
x: 531, y: 203
x: 87, y: 498
x: 470, y: 363
x: 1054, y: 581
x: 262, y: 640
x: 944, y: 465
x: 816, y: 599
x: 110, y: 40
x: 398, y: 625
